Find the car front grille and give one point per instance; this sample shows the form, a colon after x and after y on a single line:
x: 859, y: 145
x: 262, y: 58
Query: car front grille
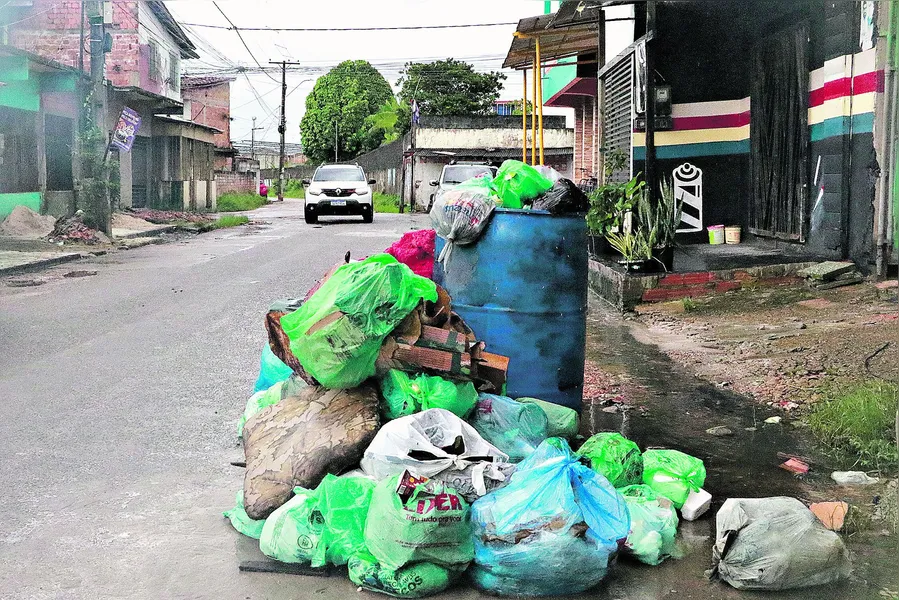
x: 339, y: 192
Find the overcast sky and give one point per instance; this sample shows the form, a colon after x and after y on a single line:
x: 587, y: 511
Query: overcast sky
x: 388, y: 50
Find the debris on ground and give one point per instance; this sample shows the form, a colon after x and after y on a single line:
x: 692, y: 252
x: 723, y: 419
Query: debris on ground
x: 379, y: 436
x: 720, y: 431
x: 830, y: 275
x: 73, y: 230
x: 24, y: 223
x: 168, y: 217
x: 795, y: 466
x: 853, y: 478
x: 78, y: 274
x: 803, y: 553
x: 831, y: 514
x: 121, y: 220
x: 696, y: 505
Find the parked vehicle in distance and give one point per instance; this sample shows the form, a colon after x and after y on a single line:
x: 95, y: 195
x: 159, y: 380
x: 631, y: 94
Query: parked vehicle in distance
x: 337, y: 190
x: 454, y: 174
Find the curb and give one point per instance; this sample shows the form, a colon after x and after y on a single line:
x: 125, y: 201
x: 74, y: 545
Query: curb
x: 148, y: 233
x: 40, y: 264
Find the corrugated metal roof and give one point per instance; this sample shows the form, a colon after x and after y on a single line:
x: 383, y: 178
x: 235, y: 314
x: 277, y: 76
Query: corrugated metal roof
x: 201, y: 81
x: 561, y: 42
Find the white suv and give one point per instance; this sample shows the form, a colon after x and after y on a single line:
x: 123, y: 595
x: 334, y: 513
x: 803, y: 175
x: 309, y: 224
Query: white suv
x: 339, y: 190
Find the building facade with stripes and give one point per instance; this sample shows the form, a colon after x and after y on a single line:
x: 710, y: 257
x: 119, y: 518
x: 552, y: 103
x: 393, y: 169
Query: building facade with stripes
x: 783, y: 109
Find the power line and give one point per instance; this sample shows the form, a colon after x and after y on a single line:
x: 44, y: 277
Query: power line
x: 332, y: 29
x: 242, y: 41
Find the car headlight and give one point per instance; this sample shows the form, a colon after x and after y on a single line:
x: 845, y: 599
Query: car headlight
x: 314, y: 192
x: 361, y: 191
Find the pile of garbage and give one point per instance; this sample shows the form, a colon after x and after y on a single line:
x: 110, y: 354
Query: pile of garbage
x: 379, y: 438
x: 73, y: 230
x: 165, y: 217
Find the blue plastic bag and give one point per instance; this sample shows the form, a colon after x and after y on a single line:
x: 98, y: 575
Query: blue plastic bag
x: 551, y: 530
x: 271, y: 370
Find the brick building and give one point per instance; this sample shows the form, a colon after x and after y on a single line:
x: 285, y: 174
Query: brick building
x: 207, y: 101
x: 171, y: 162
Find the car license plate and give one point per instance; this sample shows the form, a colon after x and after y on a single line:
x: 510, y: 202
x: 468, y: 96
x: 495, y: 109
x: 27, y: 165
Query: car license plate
x: 338, y: 202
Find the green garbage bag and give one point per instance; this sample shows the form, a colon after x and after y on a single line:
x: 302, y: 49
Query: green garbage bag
x: 653, y: 525
x: 406, y: 395
x: 673, y: 474
x: 614, y: 456
x: 563, y: 422
x: 414, y: 581
x: 418, y: 520
x: 242, y: 521
x: 516, y: 183
x: 321, y: 526
x: 337, y: 333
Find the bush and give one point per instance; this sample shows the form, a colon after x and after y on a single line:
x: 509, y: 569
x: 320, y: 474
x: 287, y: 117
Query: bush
x: 239, y: 202
x: 860, y: 422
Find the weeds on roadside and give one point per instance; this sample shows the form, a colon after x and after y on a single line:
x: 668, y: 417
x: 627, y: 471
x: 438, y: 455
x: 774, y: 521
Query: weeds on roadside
x: 239, y: 202
x: 690, y: 305
x: 859, y: 422
x: 386, y: 203
x: 226, y: 221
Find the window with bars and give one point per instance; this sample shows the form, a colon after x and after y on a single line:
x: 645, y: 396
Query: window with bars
x: 154, y: 58
x: 174, y: 72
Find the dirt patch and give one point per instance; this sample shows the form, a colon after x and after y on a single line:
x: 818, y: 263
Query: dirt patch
x: 24, y: 223
x: 126, y: 221
x: 783, y: 347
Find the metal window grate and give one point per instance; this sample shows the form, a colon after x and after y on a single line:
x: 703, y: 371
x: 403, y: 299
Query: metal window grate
x: 617, y: 111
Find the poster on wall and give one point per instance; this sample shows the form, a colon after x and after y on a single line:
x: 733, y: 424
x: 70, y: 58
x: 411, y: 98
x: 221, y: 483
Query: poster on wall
x: 866, y: 41
x: 126, y: 130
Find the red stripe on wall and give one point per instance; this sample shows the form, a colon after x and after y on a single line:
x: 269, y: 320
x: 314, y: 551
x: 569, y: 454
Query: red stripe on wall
x: 839, y: 88
x: 711, y: 122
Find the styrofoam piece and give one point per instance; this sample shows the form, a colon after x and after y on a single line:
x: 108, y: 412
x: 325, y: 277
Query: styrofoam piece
x: 697, y: 504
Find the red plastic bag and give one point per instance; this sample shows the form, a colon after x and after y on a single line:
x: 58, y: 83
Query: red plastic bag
x: 416, y: 250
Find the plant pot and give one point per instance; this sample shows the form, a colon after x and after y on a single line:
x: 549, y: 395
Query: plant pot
x: 639, y: 267
x: 665, y: 256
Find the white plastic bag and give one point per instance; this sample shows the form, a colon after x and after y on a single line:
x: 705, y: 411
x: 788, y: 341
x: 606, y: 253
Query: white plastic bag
x: 460, y: 214
x: 775, y: 544
x: 436, y: 443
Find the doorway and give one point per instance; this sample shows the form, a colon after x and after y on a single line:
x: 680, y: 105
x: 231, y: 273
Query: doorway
x: 779, y: 135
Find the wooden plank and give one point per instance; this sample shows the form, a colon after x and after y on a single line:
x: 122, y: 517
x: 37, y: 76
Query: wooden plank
x: 251, y: 560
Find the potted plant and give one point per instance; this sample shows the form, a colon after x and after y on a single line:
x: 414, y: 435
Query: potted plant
x: 609, y: 202
x: 636, y: 249
x: 662, y: 220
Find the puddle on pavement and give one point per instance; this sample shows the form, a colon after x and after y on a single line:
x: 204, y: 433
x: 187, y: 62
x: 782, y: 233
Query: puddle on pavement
x: 681, y: 408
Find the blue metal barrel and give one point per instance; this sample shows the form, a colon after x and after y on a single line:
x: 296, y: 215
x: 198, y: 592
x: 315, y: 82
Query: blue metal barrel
x: 522, y: 288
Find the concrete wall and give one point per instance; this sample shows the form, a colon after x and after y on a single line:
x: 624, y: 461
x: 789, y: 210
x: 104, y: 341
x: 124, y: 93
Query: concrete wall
x: 229, y: 182
x: 507, y: 137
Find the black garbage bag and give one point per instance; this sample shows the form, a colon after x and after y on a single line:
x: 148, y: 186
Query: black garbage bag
x: 564, y: 197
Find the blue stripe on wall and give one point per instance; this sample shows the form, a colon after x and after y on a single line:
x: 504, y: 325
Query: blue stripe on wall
x: 838, y: 126
x: 693, y: 150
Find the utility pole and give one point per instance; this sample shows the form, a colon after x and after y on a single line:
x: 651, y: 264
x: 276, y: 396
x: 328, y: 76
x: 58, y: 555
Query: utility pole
x: 336, y: 142
x: 253, y: 139
x: 98, y: 209
x: 282, y: 128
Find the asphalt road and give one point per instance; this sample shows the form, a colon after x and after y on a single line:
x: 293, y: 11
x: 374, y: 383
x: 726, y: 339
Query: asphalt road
x: 121, y: 393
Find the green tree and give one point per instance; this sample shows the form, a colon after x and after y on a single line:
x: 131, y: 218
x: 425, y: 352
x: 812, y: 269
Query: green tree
x: 382, y: 126
x: 337, y: 109
x: 447, y: 87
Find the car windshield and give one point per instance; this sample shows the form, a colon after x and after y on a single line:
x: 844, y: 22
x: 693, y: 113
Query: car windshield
x: 458, y: 174
x: 339, y: 174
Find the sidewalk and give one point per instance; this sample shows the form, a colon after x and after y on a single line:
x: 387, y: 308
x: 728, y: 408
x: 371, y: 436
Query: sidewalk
x: 13, y: 261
